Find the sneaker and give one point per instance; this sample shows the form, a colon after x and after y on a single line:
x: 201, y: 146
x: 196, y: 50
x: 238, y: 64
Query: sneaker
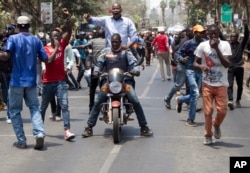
x: 8, y: 120
x: 217, y: 132
x: 58, y: 118
x: 20, y: 145
x: 178, y: 105
x: 87, y: 132
x: 145, y: 131
x: 208, y: 140
x: 191, y: 123
x: 39, y: 143
x: 68, y: 135
x: 238, y: 105
x: 230, y: 105
x: 167, y: 104
x: 52, y: 117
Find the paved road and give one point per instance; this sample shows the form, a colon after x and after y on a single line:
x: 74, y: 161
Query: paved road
x: 174, y: 148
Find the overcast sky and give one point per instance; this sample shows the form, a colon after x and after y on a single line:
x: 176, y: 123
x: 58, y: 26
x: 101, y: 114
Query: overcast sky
x: 154, y: 3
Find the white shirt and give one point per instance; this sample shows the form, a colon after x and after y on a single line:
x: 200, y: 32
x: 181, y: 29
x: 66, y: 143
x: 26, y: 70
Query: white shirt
x: 217, y: 75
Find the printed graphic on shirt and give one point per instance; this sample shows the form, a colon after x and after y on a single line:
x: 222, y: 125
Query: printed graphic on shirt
x: 214, y: 75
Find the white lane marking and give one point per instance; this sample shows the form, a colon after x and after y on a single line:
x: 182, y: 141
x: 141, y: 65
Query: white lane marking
x: 110, y: 159
x: 145, y: 92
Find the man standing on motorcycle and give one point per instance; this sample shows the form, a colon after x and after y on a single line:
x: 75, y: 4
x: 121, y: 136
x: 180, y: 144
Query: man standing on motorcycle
x: 113, y: 58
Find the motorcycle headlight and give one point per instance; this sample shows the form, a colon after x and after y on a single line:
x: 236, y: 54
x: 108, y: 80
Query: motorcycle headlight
x: 115, y: 87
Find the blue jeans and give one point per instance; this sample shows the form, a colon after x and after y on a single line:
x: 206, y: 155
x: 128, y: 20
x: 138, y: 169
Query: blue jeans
x: 16, y: 96
x: 180, y: 80
x: 194, y: 81
x: 58, y: 89
x: 132, y: 98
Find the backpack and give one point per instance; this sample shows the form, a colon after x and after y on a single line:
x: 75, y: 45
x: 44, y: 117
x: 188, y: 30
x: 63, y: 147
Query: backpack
x: 5, y: 66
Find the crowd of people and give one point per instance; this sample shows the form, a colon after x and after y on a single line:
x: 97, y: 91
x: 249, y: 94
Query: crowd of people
x: 197, y: 57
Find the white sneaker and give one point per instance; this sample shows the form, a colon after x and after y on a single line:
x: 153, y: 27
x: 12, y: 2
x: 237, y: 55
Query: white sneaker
x: 52, y: 117
x: 68, y: 135
x: 8, y: 121
x: 58, y: 118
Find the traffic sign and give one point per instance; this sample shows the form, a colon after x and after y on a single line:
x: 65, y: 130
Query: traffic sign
x: 226, y: 13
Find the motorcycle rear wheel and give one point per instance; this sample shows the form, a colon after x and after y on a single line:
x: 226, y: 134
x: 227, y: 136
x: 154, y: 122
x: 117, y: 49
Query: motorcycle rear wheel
x: 116, y: 125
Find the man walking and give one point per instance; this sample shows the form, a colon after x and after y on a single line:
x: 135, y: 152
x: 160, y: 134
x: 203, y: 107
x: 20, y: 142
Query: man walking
x: 214, y: 55
x: 23, y: 48
x: 185, y: 55
x: 54, y: 83
x: 236, y: 69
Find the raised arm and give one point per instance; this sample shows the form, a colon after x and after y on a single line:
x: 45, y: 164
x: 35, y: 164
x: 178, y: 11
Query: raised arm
x: 69, y: 22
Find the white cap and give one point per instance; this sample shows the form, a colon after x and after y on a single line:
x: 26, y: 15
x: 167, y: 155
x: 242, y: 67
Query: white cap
x: 23, y: 20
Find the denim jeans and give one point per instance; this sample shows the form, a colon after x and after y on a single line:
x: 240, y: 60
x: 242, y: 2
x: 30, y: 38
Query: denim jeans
x: 132, y: 98
x: 87, y: 77
x: 16, y: 96
x: 194, y: 80
x: 180, y: 80
x: 58, y: 89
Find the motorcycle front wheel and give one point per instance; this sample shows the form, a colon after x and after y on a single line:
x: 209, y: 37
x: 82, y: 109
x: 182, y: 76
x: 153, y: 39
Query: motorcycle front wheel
x: 116, y: 125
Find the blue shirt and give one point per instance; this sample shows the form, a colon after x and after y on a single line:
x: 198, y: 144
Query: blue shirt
x: 123, y: 26
x: 79, y: 42
x: 187, y: 49
x: 24, y: 49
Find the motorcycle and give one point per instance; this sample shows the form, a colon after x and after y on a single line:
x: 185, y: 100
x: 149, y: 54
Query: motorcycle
x: 116, y: 110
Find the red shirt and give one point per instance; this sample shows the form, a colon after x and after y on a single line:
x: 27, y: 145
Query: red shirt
x: 55, y: 70
x: 161, y: 41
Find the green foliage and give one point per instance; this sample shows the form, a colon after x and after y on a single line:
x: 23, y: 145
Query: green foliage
x: 4, y: 18
x: 32, y: 7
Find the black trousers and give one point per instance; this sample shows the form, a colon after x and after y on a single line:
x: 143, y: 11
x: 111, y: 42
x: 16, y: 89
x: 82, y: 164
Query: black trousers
x: 55, y: 107
x: 238, y: 74
x: 92, y: 89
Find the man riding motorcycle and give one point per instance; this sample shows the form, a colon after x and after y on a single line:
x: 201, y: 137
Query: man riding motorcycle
x: 115, y: 57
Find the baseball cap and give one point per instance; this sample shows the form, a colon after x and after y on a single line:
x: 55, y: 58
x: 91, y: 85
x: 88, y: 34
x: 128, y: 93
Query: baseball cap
x: 198, y: 28
x: 23, y: 20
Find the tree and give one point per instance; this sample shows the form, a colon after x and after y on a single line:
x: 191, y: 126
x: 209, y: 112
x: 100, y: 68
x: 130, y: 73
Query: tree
x: 4, y: 17
x: 32, y: 8
x: 172, y: 5
x: 143, y: 9
x: 163, y: 5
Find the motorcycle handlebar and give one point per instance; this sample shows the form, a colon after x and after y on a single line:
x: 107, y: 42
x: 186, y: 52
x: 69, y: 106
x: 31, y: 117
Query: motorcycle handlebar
x: 104, y: 74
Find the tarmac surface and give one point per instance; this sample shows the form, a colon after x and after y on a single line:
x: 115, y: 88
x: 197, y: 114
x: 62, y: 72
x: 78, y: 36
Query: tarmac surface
x: 174, y: 148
